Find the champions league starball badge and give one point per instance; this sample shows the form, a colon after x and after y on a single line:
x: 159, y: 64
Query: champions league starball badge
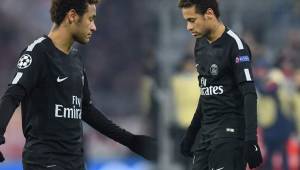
x: 24, y: 61
x: 214, y: 70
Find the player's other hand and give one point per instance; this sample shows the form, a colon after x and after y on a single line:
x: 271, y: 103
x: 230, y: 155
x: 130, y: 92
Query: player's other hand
x: 252, y: 154
x: 186, y: 146
x: 144, y: 146
x: 2, y: 141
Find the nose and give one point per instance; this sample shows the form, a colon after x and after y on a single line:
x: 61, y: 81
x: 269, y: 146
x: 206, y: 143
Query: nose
x: 93, y: 27
x: 189, y: 26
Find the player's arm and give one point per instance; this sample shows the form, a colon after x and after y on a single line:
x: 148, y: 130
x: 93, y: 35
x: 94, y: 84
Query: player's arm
x: 243, y: 75
x: 26, y: 77
x: 8, y: 104
x: 191, y: 133
x: 244, y: 78
x: 140, y: 144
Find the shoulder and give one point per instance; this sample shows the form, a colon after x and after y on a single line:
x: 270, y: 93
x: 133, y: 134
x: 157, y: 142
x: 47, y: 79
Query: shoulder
x: 32, y: 54
x: 37, y: 46
x: 235, y: 41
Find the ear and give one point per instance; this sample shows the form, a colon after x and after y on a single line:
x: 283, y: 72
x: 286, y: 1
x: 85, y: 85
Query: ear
x: 209, y: 14
x: 71, y: 16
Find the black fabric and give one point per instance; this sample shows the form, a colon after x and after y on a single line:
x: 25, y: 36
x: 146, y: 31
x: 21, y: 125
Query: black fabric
x: 49, y: 85
x: 9, y: 102
x: 98, y: 121
x: 214, y: 158
x: 228, y: 97
x: 28, y: 166
x: 224, y: 66
x: 252, y: 154
x: 145, y: 146
x: 250, y: 110
x: 2, y: 141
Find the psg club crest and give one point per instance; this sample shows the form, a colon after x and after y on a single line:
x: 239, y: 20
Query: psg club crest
x: 24, y: 61
x: 214, y: 69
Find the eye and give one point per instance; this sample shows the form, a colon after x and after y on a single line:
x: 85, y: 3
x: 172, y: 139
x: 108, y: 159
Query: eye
x: 192, y: 20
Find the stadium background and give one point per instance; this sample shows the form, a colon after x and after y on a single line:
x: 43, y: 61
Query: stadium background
x: 141, y: 74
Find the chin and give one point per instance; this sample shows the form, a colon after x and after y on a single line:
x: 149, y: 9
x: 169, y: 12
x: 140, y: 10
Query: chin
x: 198, y: 36
x: 83, y: 41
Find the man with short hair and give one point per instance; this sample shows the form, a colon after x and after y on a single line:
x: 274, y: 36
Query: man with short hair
x: 222, y: 134
x: 52, y: 86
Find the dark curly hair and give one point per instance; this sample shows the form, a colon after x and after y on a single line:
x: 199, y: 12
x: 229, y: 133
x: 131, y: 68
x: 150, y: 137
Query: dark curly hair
x: 201, y: 5
x: 59, y: 8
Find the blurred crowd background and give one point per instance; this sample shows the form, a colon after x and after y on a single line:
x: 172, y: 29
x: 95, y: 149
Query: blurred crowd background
x: 141, y: 73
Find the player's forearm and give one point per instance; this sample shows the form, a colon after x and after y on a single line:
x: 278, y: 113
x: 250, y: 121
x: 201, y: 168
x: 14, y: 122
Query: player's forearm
x: 9, y: 102
x: 250, y: 110
x: 196, y: 123
x: 97, y: 120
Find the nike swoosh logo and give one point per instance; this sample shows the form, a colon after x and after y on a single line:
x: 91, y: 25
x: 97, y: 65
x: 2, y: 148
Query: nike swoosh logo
x: 61, y: 80
x: 256, y: 149
x: 50, y: 166
x: 220, y: 168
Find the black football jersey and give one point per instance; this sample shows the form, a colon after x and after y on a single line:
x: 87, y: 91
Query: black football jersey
x: 52, y: 108
x: 222, y: 65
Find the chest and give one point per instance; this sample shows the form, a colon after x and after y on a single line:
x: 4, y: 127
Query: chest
x: 66, y: 75
x: 212, y: 60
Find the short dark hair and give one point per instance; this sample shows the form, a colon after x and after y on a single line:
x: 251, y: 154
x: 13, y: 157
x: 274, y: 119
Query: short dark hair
x: 201, y: 5
x: 59, y: 8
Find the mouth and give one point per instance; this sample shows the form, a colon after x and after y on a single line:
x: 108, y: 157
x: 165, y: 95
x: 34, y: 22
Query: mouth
x: 194, y: 34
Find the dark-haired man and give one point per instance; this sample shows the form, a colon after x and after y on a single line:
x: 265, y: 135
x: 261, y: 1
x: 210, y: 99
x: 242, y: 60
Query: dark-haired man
x: 52, y: 86
x: 222, y: 134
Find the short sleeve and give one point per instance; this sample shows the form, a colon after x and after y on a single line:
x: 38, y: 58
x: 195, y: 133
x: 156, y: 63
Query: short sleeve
x: 30, y: 67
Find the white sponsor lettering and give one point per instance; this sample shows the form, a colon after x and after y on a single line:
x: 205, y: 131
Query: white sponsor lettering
x: 69, y: 113
x: 73, y: 112
x: 212, y: 90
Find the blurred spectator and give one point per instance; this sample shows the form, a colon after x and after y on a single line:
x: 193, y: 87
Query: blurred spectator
x: 186, y: 95
x: 277, y: 126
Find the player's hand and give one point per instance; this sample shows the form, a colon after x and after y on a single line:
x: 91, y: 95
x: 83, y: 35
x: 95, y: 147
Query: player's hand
x: 186, y: 146
x: 2, y: 141
x: 144, y: 146
x: 252, y: 154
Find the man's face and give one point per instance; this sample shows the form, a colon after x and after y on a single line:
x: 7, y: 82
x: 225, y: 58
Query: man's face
x: 85, y: 25
x: 196, y: 23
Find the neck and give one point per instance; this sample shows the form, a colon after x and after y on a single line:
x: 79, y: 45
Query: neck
x: 61, y: 38
x: 216, y: 32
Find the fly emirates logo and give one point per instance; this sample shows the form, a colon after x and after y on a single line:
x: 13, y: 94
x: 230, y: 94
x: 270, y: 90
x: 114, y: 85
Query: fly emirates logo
x: 210, y: 90
x: 69, y: 113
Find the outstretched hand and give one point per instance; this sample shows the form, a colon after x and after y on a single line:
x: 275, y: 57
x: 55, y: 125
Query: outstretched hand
x: 144, y: 146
